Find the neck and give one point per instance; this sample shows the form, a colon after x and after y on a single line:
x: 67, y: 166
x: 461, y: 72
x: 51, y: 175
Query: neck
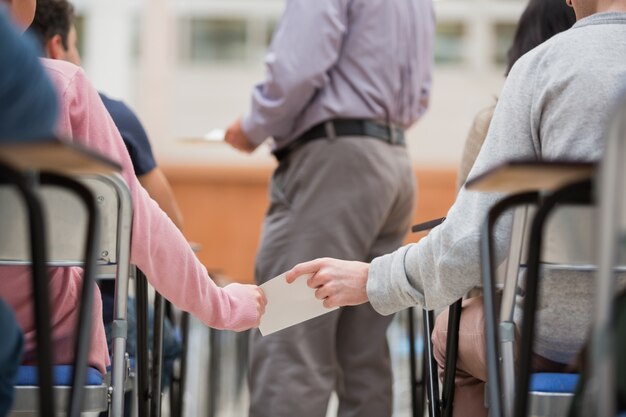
x: 611, y: 6
x: 584, y: 9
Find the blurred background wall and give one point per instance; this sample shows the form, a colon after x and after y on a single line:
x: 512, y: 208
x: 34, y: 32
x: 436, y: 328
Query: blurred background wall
x: 187, y: 66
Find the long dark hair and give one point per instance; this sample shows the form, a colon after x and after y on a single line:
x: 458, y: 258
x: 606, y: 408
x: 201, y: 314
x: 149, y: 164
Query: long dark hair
x: 541, y: 20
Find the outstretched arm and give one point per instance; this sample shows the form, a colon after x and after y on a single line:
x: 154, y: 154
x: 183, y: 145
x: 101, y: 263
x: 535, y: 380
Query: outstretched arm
x: 158, y: 248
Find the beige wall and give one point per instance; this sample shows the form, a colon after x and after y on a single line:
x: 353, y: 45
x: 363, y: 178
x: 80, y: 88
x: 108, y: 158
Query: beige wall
x: 224, y: 208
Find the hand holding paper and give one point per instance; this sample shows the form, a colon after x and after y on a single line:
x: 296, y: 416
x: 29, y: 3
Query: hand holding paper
x: 236, y: 138
x: 339, y: 283
x: 289, y: 304
x: 311, y: 289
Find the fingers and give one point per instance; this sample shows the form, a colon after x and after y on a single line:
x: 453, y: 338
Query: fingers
x: 261, y: 302
x: 327, y: 296
x: 323, y: 292
x: 310, y: 267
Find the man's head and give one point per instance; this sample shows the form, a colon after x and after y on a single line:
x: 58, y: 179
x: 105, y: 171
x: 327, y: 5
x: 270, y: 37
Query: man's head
x: 22, y: 11
x: 54, y: 27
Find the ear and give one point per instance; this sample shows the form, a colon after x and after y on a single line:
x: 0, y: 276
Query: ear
x: 54, y: 47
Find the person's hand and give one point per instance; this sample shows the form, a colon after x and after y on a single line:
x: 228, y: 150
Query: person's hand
x: 236, y: 138
x: 260, y: 301
x: 251, y: 302
x: 338, y: 283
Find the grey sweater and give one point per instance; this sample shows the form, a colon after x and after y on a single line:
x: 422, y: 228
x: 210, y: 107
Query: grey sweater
x: 555, y: 104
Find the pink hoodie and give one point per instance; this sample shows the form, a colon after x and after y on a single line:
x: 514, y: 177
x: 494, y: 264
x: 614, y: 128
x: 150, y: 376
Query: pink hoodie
x: 158, y: 248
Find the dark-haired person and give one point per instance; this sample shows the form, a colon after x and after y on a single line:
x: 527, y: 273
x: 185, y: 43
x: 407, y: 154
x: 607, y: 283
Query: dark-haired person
x: 556, y: 103
x: 54, y: 26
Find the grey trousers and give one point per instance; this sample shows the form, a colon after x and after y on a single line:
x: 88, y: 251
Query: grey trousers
x: 347, y: 198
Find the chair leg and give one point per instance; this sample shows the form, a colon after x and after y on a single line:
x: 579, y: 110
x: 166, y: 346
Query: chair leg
x: 418, y: 392
x: 157, y: 355
x: 177, y: 389
x: 432, y: 380
x: 452, y: 353
x: 143, y: 388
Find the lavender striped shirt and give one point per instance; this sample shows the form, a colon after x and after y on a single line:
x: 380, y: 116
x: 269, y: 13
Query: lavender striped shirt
x: 330, y: 59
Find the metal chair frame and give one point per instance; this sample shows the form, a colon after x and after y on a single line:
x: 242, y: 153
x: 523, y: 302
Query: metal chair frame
x: 427, y: 386
x: 98, y: 397
x: 600, y: 395
x: 500, y: 338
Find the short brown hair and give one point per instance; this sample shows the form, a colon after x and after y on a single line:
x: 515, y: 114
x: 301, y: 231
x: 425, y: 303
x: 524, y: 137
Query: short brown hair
x: 53, y: 17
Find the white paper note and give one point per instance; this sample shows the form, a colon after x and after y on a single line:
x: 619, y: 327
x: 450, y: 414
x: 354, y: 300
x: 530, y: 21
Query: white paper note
x: 289, y: 304
x: 215, y: 135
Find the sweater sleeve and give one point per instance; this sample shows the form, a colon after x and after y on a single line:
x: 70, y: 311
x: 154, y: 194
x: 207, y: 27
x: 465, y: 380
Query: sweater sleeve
x: 444, y: 265
x: 157, y: 248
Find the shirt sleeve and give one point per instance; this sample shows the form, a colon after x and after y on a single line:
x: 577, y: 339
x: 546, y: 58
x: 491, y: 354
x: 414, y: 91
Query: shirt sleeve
x: 134, y: 135
x: 158, y: 248
x: 27, y: 98
x: 444, y: 265
x: 305, y: 46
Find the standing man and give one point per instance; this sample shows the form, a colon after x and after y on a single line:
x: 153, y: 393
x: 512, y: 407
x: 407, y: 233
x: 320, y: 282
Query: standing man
x: 345, y: 78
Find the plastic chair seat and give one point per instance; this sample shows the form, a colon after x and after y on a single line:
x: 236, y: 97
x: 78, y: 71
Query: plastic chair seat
x: 554, y: 383
x: 551, y: 394
x: 27, y: 376
x: 26, y: 390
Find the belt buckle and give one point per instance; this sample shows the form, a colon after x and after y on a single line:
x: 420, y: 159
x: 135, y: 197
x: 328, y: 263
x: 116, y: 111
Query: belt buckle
x: 393, y: 134
x: 329, y: 127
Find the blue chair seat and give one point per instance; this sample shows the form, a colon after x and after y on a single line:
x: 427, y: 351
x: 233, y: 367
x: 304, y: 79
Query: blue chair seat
x: 62, y: 375
x: 554, y: 382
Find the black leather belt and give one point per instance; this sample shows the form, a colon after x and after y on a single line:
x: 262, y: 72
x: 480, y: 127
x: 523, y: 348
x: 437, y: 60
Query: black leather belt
x: 344, y: 127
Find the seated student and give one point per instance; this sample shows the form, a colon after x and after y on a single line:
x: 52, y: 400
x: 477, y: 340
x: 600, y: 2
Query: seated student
x: 27, y: 111
x: 157, y: 248
x: 541, y: 20
x: 556, y: 103
x: 54, y: 27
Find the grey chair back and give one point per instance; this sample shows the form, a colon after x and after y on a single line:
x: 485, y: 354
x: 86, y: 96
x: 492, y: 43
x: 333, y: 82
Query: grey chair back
x: 65, y: 223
